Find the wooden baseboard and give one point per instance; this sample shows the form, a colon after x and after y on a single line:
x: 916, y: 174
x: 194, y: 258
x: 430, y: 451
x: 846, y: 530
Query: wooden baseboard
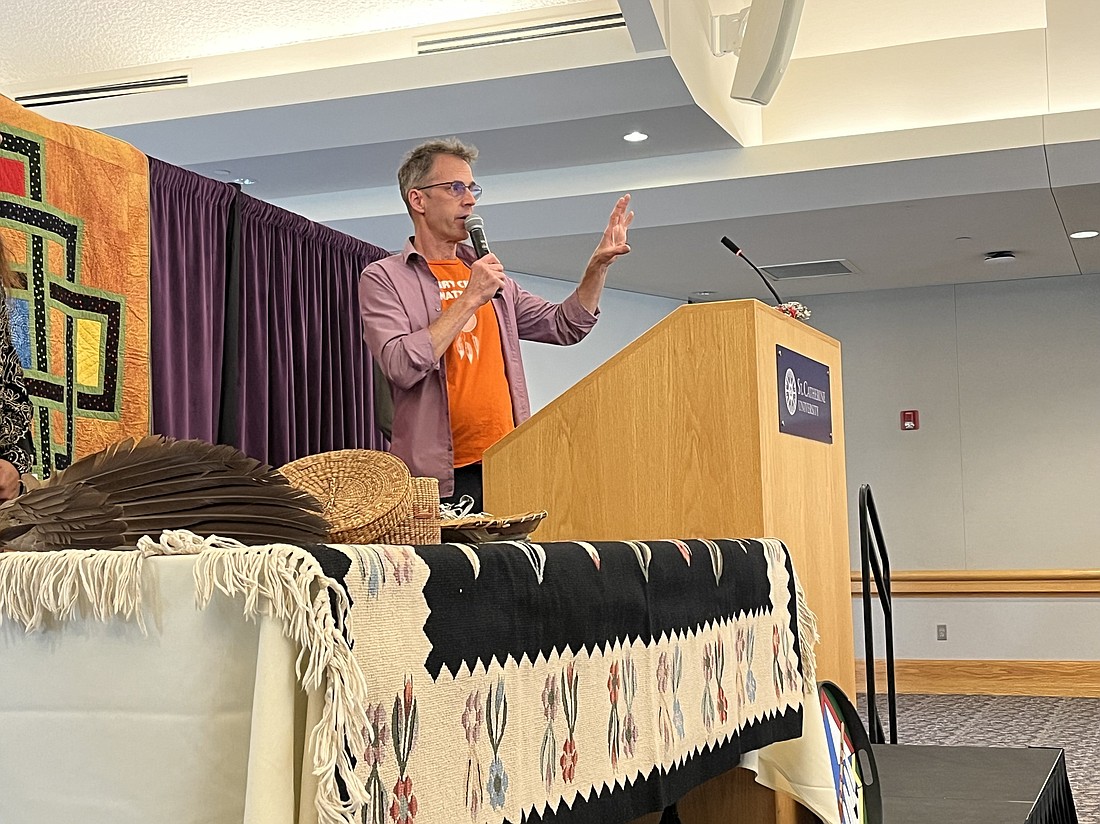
x: 988, y: 582
x: 1078, y: 679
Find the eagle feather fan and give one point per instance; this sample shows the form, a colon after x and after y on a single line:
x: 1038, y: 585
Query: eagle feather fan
x: 141, y: 487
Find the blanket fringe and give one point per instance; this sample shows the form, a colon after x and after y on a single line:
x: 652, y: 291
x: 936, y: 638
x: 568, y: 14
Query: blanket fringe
x: 808, y: 639
x: 103, y: 584
x: 288, y: 584
x: 38, y: 586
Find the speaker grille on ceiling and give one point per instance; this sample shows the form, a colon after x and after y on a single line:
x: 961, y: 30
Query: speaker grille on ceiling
x: 31, y: 101
x: 810, y: 269
x: 521, y: 33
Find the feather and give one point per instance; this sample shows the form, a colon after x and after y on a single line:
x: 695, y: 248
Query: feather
x: 141, y: 487
x: 61, y: 518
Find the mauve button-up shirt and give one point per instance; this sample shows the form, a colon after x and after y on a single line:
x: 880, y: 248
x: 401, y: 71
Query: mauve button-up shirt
x: 398, y: 300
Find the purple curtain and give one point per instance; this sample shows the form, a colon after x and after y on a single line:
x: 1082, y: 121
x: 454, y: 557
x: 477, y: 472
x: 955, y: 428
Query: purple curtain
x: 255, y: 335
x: 304, y: 373
x: 189, y: 221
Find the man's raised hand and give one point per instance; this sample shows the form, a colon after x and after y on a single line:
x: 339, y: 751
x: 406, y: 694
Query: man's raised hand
x: 613, y: 242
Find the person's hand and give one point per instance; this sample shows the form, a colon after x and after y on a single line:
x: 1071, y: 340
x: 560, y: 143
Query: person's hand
x: 613, y: 243
x: 486, y: 278
x: 9, y: 480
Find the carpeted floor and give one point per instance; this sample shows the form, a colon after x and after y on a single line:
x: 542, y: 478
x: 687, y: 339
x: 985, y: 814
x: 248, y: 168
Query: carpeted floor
x: 1009, y: 721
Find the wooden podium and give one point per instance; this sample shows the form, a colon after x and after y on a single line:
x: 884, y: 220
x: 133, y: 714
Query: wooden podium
x: 678, y: 436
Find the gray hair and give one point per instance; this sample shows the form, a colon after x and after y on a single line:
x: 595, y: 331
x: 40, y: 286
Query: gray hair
x: 418, y: 163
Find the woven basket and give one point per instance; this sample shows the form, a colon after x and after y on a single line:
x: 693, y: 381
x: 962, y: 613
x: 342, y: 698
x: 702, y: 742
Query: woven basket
x: 422, y: 525
x: 364, y: 493
x: 425, y: 503
x: 485, y: 528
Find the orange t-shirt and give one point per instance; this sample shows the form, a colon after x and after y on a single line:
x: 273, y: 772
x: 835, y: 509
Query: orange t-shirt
x: 477, y: 389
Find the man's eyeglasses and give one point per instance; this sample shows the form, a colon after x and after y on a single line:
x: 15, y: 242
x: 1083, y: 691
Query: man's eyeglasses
x: 457, y: 188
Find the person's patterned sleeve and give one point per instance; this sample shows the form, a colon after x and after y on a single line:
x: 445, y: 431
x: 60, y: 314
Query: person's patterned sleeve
x: 15, y: 404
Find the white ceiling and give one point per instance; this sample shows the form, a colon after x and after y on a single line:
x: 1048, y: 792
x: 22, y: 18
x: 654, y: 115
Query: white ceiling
x: 908, y: 138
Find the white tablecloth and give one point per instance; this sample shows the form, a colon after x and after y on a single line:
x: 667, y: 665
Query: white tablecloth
x: 198, y: 722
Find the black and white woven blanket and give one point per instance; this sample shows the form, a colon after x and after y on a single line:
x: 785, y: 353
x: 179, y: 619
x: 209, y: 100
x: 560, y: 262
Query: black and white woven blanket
x: 579, y: 682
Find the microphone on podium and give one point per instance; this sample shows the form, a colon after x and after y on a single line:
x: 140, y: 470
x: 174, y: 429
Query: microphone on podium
x: 476, y: 228
x: 733, y: 247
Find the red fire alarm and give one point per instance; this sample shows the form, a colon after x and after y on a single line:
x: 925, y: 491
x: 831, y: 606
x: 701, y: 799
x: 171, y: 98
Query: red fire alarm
x: 910, y: 419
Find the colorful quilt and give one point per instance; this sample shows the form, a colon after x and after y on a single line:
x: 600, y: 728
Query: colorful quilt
x: 74, y: 218
x: 522, y: 682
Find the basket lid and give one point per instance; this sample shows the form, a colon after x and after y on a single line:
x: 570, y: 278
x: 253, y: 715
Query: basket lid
x: 483, y: 520
x: 355, y: 487
x: 485, y: 528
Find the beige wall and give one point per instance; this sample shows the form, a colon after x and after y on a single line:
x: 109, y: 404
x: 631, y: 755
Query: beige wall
x: 1004, y: 472
x: 623, y: 317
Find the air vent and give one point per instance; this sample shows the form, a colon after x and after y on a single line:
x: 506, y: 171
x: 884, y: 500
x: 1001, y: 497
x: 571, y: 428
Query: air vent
x: 32, y: 101
x: 810, y: 269
x: 521, y: 34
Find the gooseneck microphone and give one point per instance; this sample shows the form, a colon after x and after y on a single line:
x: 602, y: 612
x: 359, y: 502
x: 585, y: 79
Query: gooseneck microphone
x: 733, y: 247
x: 476, y: 227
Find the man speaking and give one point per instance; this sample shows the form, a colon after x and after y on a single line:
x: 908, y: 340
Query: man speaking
x: 444, y: 322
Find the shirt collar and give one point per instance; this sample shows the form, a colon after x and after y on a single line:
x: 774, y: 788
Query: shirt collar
x: 464, y: 251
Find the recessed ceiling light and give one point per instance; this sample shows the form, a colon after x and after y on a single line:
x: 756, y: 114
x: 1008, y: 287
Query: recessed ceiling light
x: 635, y: 137
x: 999, y: 257
x: 222, y: 172
x: 1083, y: 235
x: 245, y: 181
x: 703, y: 294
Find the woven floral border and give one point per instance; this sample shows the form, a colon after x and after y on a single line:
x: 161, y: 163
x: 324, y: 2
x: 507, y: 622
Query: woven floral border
x: 572, y: 733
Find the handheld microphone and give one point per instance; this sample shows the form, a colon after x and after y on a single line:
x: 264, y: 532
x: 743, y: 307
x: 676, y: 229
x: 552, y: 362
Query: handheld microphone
x: 476, y: 227
x: 733, y: 247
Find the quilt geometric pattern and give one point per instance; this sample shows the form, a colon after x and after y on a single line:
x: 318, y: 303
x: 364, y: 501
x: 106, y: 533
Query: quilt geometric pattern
x: 74, y: 218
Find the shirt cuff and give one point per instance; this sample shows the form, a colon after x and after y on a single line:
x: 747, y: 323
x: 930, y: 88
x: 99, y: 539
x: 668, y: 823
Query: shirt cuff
x: 577, y: 315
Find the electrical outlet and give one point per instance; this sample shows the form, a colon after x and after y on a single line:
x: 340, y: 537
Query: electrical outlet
x: 941, y: 632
